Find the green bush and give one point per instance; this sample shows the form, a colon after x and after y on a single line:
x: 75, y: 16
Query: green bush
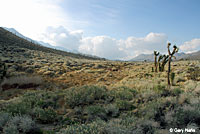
x: 172, y: 77
x: 159, y: 88
x: 46, y: 115
x: 32, y: 100
x: 176, y: 92
x: 124, y: 105
x: 156, y: 110
x: 194, y: 73
x: 112, y: 110
x: 146, y: 127
x: 17, y: 108
x: 96, y: 127
x: 96, y: 111
x: 42, y: 99
x: 185, y: 115
x: 4, y: 118
x: 19, y: 124
x: 85, y: 95
x: 12, y: 129
x: 123, y: 93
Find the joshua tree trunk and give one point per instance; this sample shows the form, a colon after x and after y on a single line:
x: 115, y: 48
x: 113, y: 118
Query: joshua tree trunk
x: 169, y: 64
x: 155, y: 63
x: 169, y: 70
x: 155, y: 58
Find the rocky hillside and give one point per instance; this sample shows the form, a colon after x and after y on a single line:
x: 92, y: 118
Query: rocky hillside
x: 9, y: 39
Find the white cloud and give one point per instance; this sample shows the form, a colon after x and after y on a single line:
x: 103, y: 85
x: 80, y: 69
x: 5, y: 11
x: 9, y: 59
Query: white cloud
x: 105, y: 46
x: 31, y: 17
x: 134, y: 46
x: 190, y: 46
x: 59, y: 36
x: 102, y: 46
x: 111, y: 48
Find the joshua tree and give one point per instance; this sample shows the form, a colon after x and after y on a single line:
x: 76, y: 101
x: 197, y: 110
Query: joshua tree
x: 164, y: 62
x: 159, y: 64
x: 155, y: 58
x: 170, y: 54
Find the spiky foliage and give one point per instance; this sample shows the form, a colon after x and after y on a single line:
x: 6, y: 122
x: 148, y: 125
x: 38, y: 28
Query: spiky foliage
x: 171, y: 55
x: 159, y: 60
x: 165, y: 59
x: 155, y: 58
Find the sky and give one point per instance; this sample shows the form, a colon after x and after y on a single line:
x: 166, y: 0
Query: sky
x: 113, y: 29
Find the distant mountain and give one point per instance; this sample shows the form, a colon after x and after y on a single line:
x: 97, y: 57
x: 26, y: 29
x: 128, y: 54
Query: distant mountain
x: 143, y: 57
x: 193, y: 56
x: 13, y: 38
x: 12, y: 30
x: 179, y: 56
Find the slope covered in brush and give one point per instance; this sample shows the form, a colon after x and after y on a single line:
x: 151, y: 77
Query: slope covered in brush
x: 8, y: 38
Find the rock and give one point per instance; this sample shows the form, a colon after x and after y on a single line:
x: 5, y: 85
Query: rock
x: 49, y: 73
x: 8, y: 61
x: 114, y: 69
x: 98, y: 66
x: 67, y: 63
x: 100, y: 79
x: 37, y: 66
x: 30, y: 70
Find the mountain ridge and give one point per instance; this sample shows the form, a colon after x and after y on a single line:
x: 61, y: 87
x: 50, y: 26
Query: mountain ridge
x: 9, y: 38
x: 179, y: 56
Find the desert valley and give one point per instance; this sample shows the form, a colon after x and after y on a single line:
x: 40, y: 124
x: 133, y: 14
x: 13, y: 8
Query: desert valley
x: 49, y: 91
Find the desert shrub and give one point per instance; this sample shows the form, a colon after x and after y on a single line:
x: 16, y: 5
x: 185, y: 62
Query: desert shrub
x: 46, y: 115
x: 11, y: 130
x: 17, y: 108
x: 147, y: 95
x: 4, y: 118
x: 190, y: 85
x: 172, y: 77
x: 182, y: 116
x: 39, y: 104
x: 114, y: 127
x: 194, y: 73
x: 176, y: 92
x: 96, y: 111
x: 19, y: 124
x: 96, y: 127
x: 157, y: 109
x: 129, y: 124
x: 194, y: 126
x: 42, y: 99
x: 146, y: 127
x: 31, y: 100
x: 85, y: 95
x: 112, y: 110
x: 124, y: 105
x: 127, y: 120
x: 159, y: 88
x: 123, y: 93
x: 122, y: 125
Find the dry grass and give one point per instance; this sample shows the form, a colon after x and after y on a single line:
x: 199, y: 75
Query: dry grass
x: 23, y: 80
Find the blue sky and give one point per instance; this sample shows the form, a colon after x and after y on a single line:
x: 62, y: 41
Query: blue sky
x: 179, y: 19
x: 125, y: 28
